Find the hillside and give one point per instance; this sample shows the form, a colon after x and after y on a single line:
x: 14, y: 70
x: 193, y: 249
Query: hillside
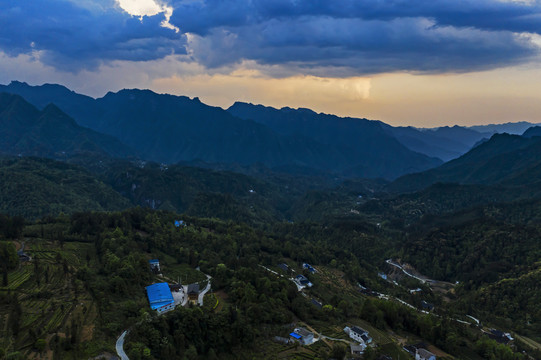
x: 172, y: 129
x: 504, y: 159
x: 25, y: 130
x: 34, y: 188
x: 359, y: 140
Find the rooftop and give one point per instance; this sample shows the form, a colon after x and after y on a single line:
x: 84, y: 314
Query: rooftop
x: 424, y: 353
x: 358, y: 330
x: 193, y: 289
x: 303, y: 332
x: 159, y: 294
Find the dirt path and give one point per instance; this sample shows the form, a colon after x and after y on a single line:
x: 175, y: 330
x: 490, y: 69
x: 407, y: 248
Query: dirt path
x: 529, y: 341
x: 315, y: 332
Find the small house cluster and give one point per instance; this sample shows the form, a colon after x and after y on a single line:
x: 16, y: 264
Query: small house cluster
x: 303, y: 336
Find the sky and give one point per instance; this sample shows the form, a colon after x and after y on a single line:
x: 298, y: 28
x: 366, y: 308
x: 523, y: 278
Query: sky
x: 422, y: 63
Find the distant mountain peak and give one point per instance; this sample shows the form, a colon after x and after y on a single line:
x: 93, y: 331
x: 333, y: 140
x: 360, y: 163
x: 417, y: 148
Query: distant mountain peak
x: 18, y: 83
x: 532, y: 131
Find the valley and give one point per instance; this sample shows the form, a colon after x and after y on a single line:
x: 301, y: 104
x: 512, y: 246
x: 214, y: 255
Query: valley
x: 288, y: 258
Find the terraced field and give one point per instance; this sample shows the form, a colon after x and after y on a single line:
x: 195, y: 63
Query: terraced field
x: 46, y: 291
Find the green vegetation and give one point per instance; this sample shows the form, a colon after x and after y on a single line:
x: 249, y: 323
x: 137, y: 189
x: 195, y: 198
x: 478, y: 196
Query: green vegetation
x: 85, y: 285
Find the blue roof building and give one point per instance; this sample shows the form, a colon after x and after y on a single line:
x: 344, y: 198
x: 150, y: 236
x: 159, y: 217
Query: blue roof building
x: 179, y: 223
x: 309, y: 267
x: 160, y: 297
x: 296, y: 336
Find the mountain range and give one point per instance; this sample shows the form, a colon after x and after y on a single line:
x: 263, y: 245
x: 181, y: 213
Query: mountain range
x: 176, y: 129
x: 171, y: 129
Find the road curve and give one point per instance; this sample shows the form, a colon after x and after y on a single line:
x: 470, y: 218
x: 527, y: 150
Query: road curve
x: 202, y: 293
x: 120, y: 347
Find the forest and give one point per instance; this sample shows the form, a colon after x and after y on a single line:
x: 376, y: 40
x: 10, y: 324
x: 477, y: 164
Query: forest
x: 85, y: 285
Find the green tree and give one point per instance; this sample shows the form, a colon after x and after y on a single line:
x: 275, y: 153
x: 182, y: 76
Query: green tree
x: 40, y: 345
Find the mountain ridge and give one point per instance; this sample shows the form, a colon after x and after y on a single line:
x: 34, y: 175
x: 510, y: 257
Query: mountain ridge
x: 25, y: 130
x: 504, y: 159
x: 168, y: 128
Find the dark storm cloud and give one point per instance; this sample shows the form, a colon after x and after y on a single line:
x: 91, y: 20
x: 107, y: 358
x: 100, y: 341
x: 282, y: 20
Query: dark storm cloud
x: 200, y: 16
x: 355, y: 37
x: 75, y: 35
x: 319, y: 37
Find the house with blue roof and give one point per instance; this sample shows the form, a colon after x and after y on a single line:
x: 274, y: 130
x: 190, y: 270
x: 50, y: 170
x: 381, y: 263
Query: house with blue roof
x: 179, y: 223
x: 302, y: 335
x: 154, y: 265
x: 160, y: 297
x: 309, y: 267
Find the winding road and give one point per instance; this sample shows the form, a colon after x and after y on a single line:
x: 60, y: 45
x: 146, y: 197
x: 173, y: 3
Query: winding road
x: 120, y: 346
x: 202, y: 293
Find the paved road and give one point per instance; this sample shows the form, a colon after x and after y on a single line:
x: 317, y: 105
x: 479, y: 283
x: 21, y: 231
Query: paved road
x: 120, y: 347
x: 390, y: 262
x: 202, y: 293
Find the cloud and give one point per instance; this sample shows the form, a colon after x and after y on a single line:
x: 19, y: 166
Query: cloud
x: 75, y: 35
x: 340, y: 38
x: 351, y: 37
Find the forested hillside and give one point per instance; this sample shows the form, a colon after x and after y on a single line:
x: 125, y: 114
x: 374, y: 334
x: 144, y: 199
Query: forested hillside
x: 25, y: 130
x: 170, y: 129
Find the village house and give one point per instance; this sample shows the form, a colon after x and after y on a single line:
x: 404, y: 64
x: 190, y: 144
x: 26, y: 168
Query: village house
x: 500, y: 336
x: 316, y: 303
x: 309, y: 268
x: 412, y: 349
x: 302, y: 335
x: 357, y: 349
x: 303, y: 281
x: 427, y: 306
x: 160, y: 297
x: 424, y: 354
x: 193, y: 293
x: 154, y: 266
x: 284, y: 267
x: 359, y: 335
